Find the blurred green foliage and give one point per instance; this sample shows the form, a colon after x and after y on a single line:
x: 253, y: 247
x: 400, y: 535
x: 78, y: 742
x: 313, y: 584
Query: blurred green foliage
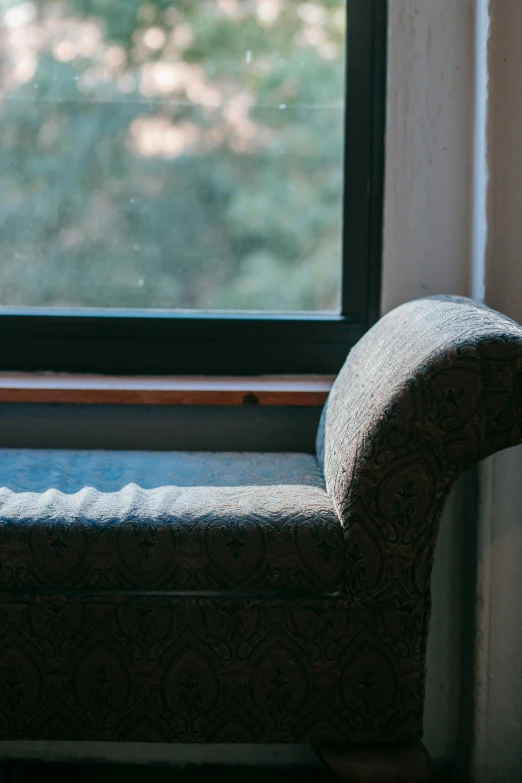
x: 171, y: 154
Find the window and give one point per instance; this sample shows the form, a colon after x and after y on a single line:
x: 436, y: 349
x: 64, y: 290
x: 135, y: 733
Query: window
x: 189, y: 187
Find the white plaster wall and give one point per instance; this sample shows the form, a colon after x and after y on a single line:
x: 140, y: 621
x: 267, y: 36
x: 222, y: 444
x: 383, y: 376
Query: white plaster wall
x: 427, y: 250
x: 498, y: 723
x: 427, y: 237
x: 504, y: 200
x: 498, y: 729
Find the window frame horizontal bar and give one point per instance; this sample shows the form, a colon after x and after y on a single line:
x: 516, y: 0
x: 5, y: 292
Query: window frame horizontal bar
x: 173, y: 346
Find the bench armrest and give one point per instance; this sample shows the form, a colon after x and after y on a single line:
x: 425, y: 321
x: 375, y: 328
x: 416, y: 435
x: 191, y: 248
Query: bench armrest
x: 433, y: 387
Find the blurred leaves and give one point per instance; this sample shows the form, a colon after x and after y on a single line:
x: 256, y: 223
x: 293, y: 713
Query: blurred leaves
x: 178, y: 155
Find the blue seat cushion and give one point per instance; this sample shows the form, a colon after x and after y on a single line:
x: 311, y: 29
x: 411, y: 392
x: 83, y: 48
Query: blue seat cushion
x: 179, y: 521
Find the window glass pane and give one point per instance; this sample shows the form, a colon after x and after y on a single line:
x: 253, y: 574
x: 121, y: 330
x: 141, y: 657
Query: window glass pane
x: 171, y: 154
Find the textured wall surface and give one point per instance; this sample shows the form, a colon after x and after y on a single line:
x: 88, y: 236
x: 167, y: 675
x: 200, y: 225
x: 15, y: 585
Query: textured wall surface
x: 427, y: 250
x: 498, y: 693
x: 427, y: 237
x: 504, y: 245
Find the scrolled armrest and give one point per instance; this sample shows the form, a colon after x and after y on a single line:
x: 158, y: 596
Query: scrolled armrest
x: 433, y: 387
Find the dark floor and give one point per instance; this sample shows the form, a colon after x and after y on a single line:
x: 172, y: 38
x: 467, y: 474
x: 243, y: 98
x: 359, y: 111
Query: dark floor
x: 27, y: 772
x: 45, y: 772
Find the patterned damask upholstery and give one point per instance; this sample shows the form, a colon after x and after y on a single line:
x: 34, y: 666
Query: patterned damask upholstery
x: 189, y: 646
x: 171, y: 521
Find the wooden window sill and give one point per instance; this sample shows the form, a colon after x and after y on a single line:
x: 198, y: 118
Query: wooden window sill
x: 57, y: 388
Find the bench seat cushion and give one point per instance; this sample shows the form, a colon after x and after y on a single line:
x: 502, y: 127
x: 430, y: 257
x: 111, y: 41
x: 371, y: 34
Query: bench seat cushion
x: 180, y: 521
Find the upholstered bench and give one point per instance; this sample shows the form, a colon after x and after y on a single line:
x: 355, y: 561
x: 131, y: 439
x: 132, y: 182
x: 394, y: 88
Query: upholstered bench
x: 178, y: 521
x: 190, y: 597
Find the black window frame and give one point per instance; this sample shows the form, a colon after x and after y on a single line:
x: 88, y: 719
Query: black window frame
x: 177, y: 342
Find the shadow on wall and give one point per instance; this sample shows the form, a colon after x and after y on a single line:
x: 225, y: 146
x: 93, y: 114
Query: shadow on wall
x: 160, y: 428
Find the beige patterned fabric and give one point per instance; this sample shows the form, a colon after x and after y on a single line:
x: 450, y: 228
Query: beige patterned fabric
x: 167, y: 521
x: 435, y: 386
